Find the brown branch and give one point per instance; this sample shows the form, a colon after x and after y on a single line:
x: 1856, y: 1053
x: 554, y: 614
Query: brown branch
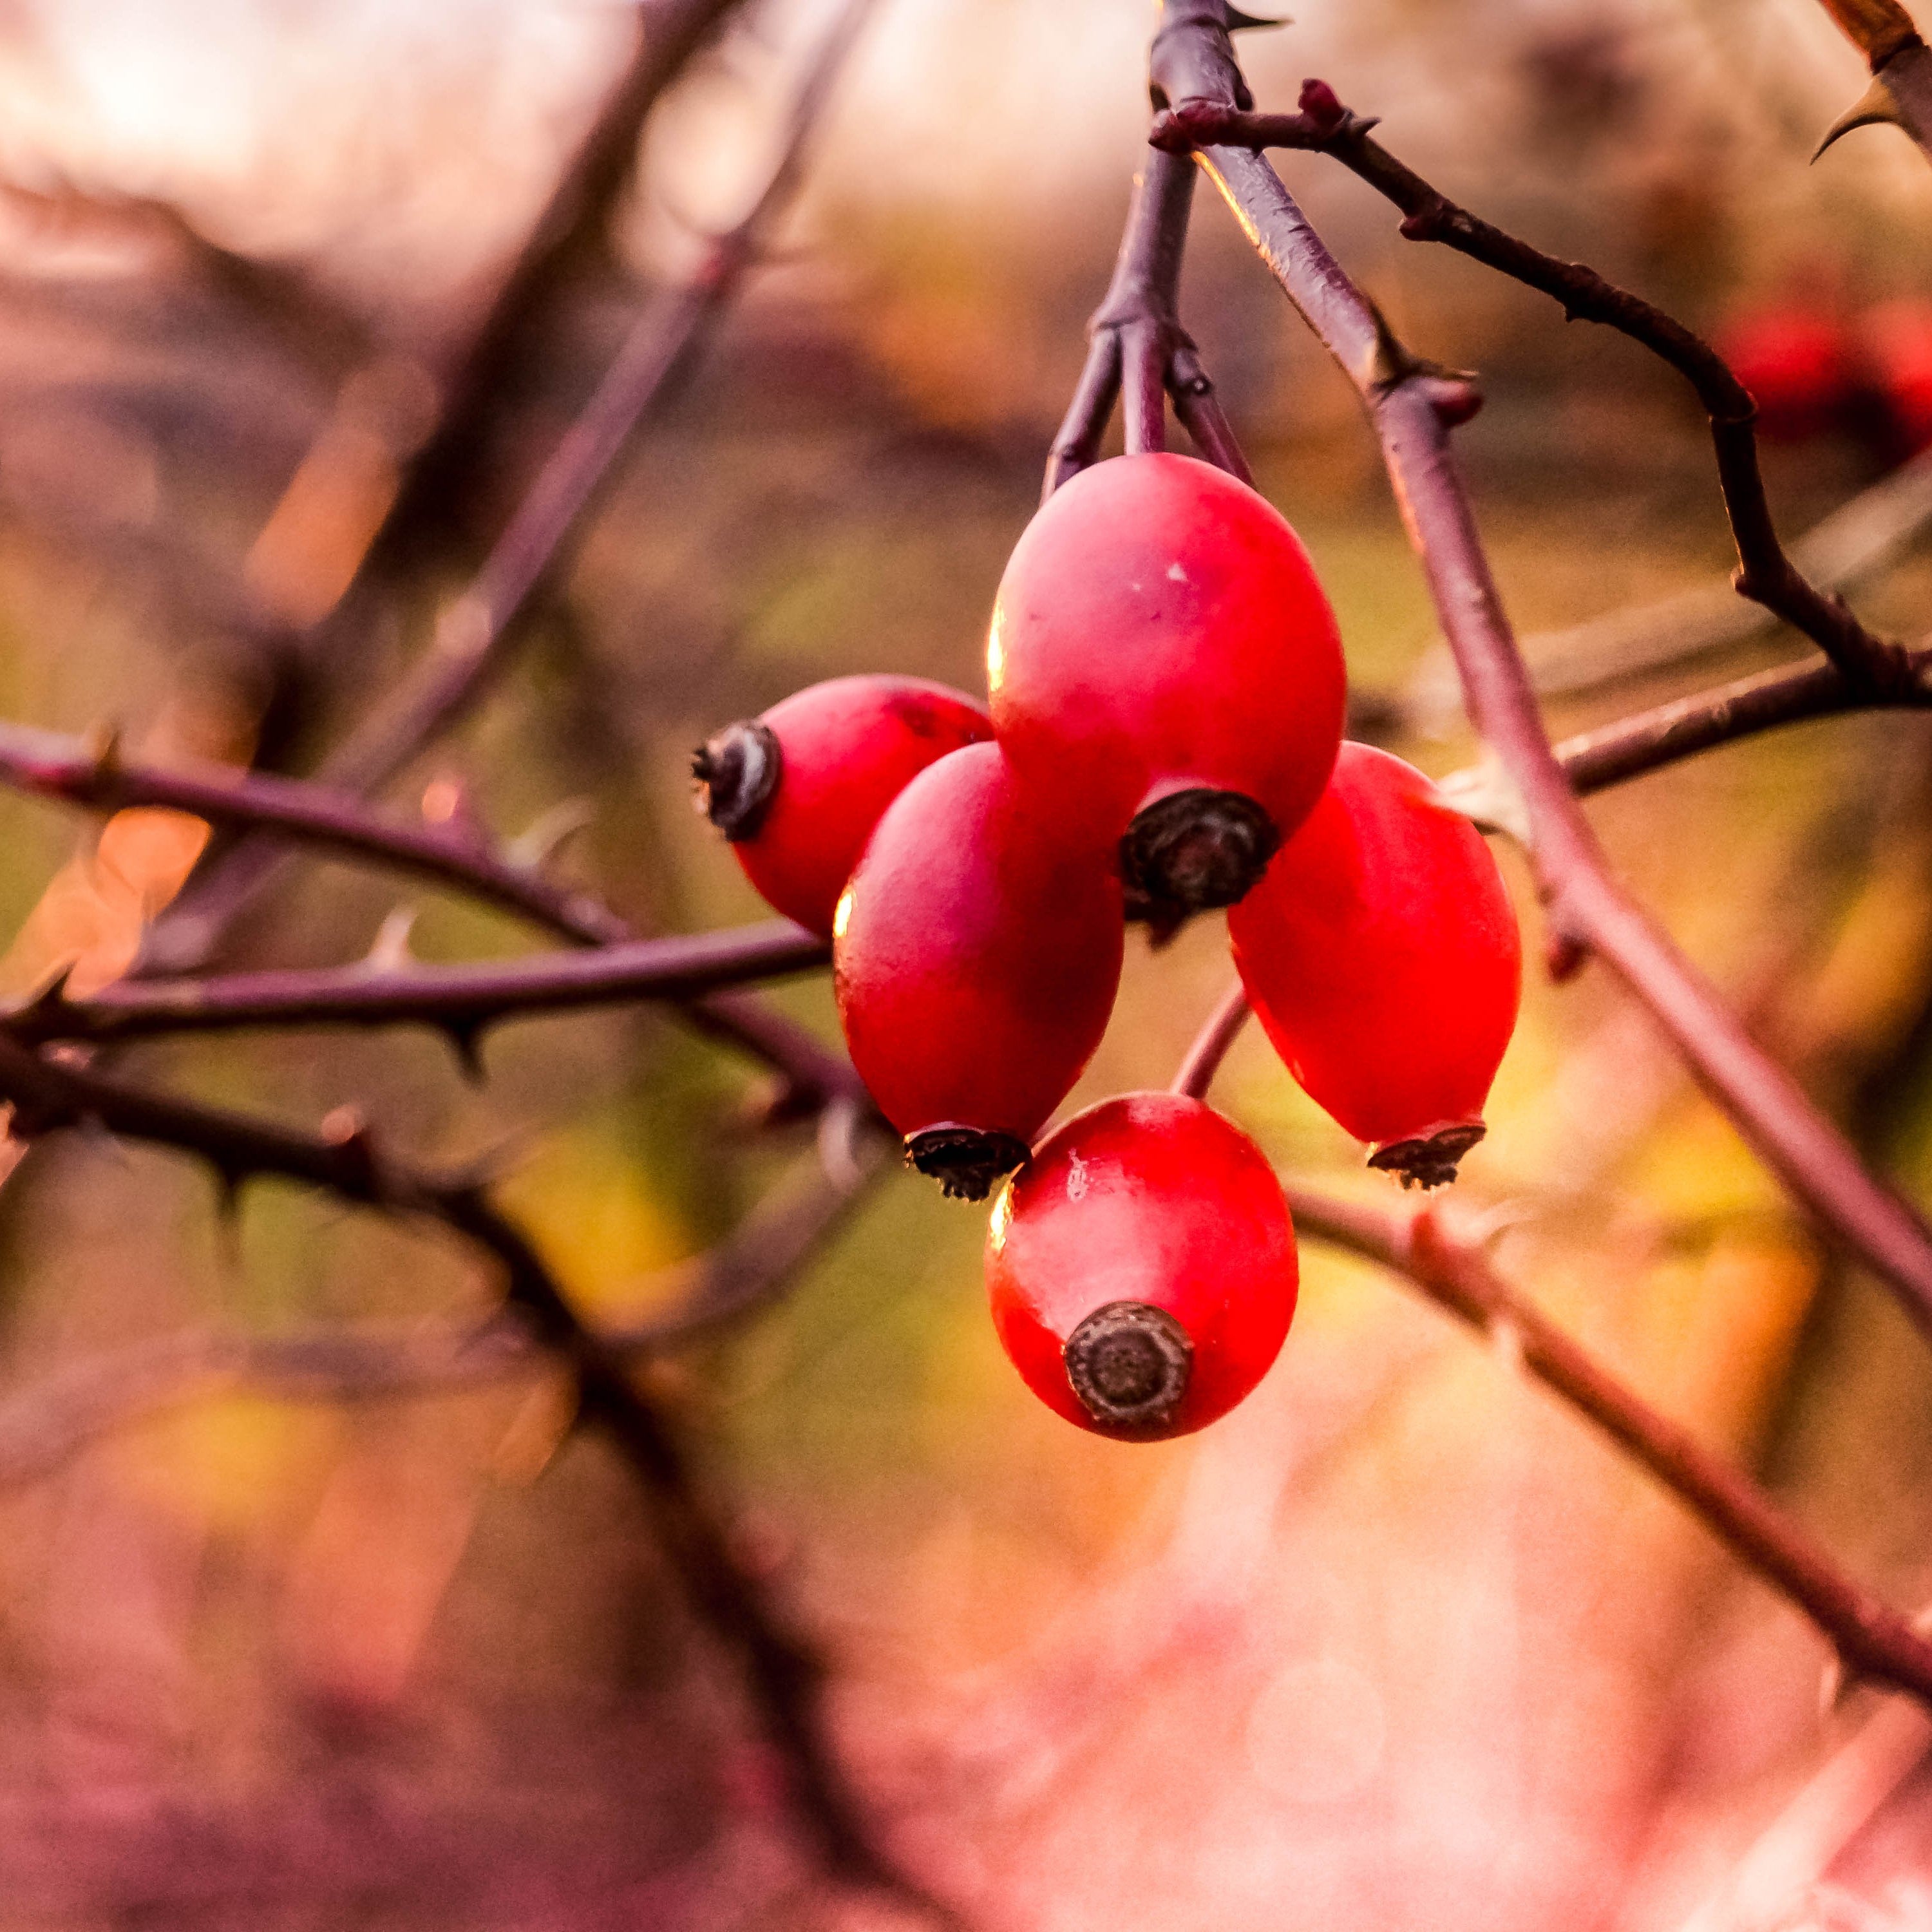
x: 80, y: 771
x: 460, y: 1000
x: 96, y: 776
x: 1136, y: 345
x: 786, y: 1679
x: 570, y: 234
x: 1765, y: 573
x: 475, y: 635
x: 1860, y: 538
x: 1217, y: 1034
x: 44, y: 1427
x: 1594, y: 761
x: 1413, y: 406
x: 1874, y: 1641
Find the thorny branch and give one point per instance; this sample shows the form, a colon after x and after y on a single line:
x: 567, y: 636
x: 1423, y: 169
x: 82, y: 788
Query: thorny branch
x: 1765, y: 573
x: 44, y: 1426
x: 786, y: 1677
x: 1874, y: 1641
x: 474, y: 637
x: 461, y: 1000
x: 1901, y: 67
x: 96, y: 776
x: 1413, y: 405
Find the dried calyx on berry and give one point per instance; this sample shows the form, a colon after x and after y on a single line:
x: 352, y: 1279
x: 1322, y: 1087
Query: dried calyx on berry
x: 965, y: 1161
x: 736, y: 772
x: 1194, y: 851
x: 1129, y: 1363
x: 975, y: 954
x: 1140, y: 1268
x: 1428, y: 1159
x: 1382, y: 958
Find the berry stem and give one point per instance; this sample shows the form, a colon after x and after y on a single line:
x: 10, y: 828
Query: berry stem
x: 1137, y: 344
x: 1197, y: 1072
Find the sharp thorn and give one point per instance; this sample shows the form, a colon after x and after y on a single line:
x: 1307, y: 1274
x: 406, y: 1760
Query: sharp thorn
x: 50, y: 999
x: 1238, y: 20
x: 389, y: 950
x: 229, y: 1182
x: 101, y: 745
x: 466, y: 1042
x: 1874, y: 105
x: 532, y: 849
x: 1390, y: 361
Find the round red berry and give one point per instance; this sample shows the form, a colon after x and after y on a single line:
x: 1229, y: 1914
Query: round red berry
x: 1142, y: 1266
x: 1381, y: 956
x: 1163, y: 664
x: 1800, y: 363
x: 976, y: 954
x: 798, y: 790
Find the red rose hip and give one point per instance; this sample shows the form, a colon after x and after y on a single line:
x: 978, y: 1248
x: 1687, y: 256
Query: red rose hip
x: 976, y: 954
x: 1380, y: 954
x: 1164, y: 665
x: 798, y: 790
x: 1800, y: 364
x: 1141, y: 1267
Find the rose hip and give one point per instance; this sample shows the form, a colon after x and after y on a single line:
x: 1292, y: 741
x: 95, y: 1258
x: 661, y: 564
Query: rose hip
x: 798, y: 790
x: 1142, y: 1266
x: 1164, y: 665
x: 976, y: 954
x: 1380, y: 954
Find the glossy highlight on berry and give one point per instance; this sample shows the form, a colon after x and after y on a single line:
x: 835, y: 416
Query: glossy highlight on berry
x: 1141, y: 1267
x: 1164, y: 671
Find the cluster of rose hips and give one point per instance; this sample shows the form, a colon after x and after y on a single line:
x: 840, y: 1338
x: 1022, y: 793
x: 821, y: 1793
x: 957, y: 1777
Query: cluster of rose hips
x: 1164, y: 736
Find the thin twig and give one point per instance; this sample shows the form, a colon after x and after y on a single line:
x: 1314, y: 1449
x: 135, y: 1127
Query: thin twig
x: 1413, y: 405
x: 44, y: 1426
x: 1765, y: 573
x: 1137, y: 347
x: 1861, y: 538
x: 475, y: 635
x: 787, y: 1679
x: 460, y: 1000
x: 1875, y: 1641
x: 1217, y: 1034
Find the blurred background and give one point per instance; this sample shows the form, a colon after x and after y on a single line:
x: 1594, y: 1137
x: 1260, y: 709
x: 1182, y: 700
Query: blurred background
x: 1399, y: 1644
